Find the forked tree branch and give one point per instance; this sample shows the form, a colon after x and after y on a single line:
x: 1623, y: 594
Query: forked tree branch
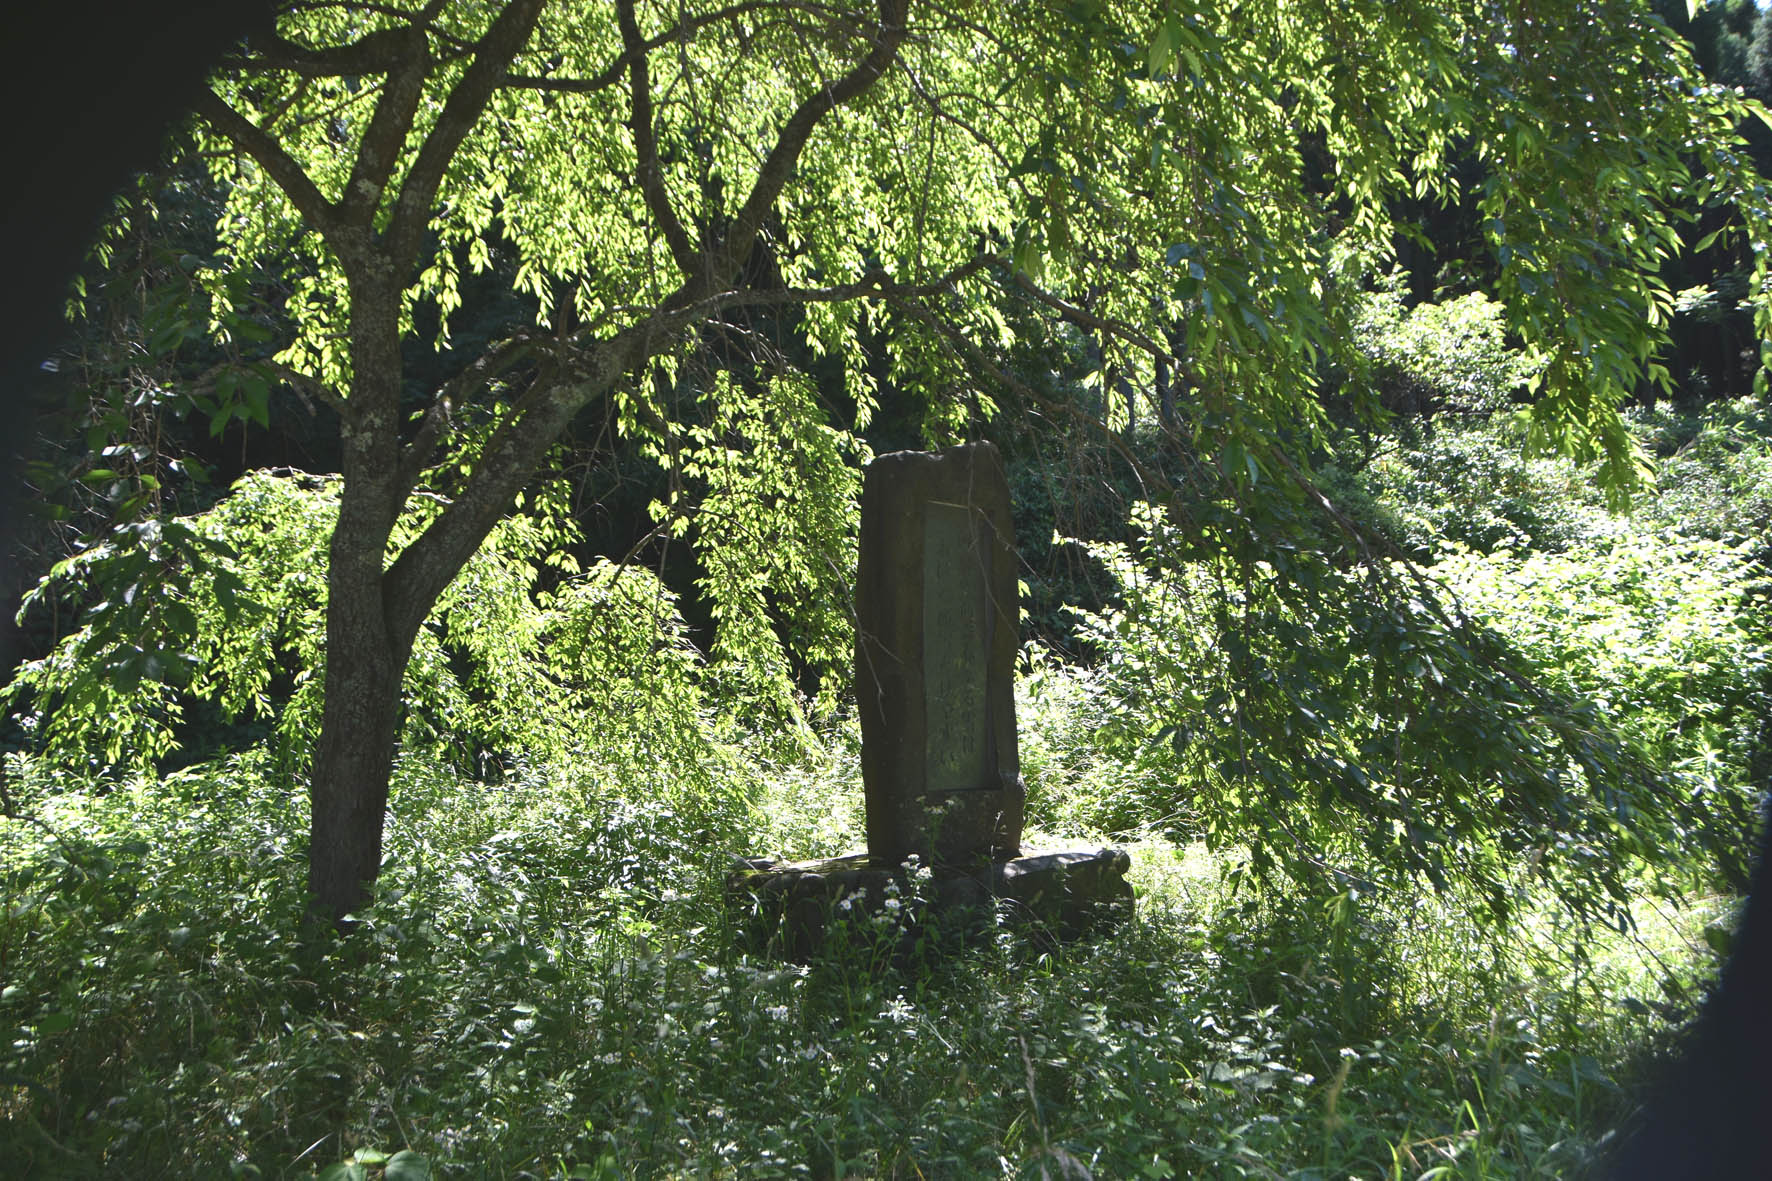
x: 646, y: 167
x: 279, y: 165
x: 612, y: 73
x: 493, y: 55
x: 379, y: 149
x: 507, y: 463
x: 778, y: 166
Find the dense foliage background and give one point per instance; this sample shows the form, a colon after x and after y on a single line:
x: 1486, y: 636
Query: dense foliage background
x: 1438, y: 743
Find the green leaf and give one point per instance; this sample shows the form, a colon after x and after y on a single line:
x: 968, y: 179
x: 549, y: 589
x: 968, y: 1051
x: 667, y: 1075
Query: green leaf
x: 56, y: 1022
x: 408, y: 1165
x: 1162, y: 48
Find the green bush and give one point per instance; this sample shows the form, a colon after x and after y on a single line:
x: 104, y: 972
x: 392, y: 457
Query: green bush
x: 1666, y: 635
x: 1714, y: 469
x: 1348, y: 726
x: 1450, y: 357
x: 1471, y: 485
x: 227, y: 606
x: 1077, y: 786
x: 1469, y: 482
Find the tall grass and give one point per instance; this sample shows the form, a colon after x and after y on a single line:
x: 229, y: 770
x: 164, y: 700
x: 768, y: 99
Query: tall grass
x: 548, y: 986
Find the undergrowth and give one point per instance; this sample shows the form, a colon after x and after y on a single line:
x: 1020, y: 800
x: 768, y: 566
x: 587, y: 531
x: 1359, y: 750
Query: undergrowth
x: 548, y: 986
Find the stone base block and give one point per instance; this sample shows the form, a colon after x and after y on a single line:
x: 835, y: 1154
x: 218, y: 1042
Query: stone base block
x: 796, y: 909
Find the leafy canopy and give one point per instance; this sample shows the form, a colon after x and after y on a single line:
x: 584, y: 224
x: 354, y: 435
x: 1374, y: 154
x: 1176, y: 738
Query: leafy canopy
x: 1187, y: 163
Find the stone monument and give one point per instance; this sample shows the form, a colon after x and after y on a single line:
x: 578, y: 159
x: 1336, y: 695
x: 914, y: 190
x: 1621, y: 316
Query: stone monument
x: 937, y: 625
x: 936, y: 621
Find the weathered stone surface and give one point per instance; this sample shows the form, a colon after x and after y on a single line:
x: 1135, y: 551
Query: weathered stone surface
x: 798, y: 909
x: 936, y: 637
x: 937, y: 621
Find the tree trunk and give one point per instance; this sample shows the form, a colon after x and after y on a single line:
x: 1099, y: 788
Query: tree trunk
x: 354, y: 757
x: 365, y: 656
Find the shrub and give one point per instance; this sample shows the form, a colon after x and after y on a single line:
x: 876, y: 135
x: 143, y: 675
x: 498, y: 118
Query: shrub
x: 1348, y: 726
x: 1450, y: 357
x: 1665, y: 634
